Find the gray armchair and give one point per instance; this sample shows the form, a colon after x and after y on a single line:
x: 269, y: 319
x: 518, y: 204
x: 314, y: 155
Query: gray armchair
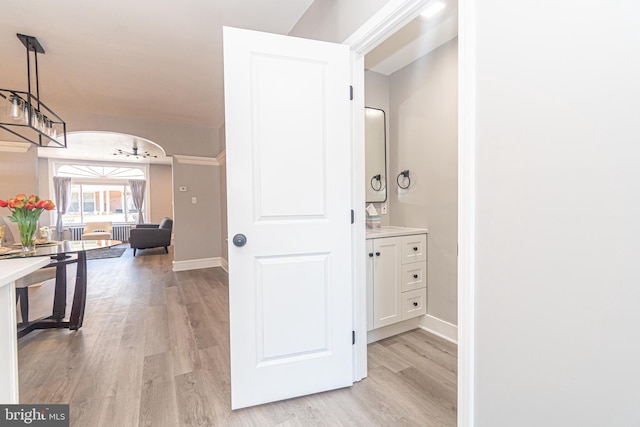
x: 146, y: 236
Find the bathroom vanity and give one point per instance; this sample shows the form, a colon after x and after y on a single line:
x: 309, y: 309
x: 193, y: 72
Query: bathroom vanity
x: 396, y: 280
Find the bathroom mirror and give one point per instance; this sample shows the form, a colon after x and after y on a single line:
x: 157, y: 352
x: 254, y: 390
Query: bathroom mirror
x: 375, y: 155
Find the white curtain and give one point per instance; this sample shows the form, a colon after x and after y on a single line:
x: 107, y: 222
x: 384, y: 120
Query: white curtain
x: 138, y: 188
x: 62, y: 188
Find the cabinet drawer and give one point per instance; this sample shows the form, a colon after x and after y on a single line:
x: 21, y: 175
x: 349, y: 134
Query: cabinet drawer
x: 414, y: 276
x: 414, y: 248
x: 414, y: 303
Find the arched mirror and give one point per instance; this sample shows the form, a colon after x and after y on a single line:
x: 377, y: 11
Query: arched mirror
x: 375, y: 155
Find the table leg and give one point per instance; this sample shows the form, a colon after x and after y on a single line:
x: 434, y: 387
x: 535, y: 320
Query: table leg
x: 60, y: 293
x: 80, y: 293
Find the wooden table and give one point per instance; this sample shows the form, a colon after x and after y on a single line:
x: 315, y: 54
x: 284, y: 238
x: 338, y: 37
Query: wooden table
x: 62, y: 254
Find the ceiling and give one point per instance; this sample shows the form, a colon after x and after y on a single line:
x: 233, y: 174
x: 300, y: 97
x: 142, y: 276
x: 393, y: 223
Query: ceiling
x: 154, y: 60
x: 101, y: 146
x: 414, y: 40
x: 159, y: 60
x: 150, y: 59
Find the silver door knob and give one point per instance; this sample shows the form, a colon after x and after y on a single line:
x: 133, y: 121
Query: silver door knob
x: 239, y: 240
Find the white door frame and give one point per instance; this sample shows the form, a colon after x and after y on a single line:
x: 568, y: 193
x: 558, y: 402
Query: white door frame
x: 389, y: 19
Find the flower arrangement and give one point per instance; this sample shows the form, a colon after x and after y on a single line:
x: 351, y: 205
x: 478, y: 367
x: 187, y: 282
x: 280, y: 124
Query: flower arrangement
x: 26, y: 211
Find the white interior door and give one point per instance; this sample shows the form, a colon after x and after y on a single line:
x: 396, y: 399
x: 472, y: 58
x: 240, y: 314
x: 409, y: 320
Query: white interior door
x: 288, y: 148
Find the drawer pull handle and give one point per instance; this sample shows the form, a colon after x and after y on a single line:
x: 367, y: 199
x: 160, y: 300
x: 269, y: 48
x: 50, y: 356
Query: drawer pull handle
x: 415, y: 248
x: 415, y: 304
x: 377, y: 253
x: 415, y: 276
x: 371, y: 254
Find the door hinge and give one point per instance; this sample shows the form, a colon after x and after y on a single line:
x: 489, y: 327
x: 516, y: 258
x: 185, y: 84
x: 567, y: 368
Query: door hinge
x: 353, y: 216
x: 353, y: 337
x: 350, y: 93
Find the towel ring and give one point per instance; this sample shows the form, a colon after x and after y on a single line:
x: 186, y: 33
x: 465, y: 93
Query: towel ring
x: 378, y: 178
x: 406, y: 176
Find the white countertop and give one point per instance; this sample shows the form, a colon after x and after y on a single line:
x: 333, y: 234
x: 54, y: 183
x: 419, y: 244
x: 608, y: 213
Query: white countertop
x: 392, y: 231
x: 10, y: 270
x: 15, y: 268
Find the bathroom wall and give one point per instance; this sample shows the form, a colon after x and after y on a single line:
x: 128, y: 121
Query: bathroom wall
x: 376, y: 95
x: 420, y: 101
x: 423, y: 99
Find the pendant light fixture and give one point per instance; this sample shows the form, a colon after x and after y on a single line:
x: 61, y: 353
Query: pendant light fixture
x: 134, y: 153
x: 24, y: 115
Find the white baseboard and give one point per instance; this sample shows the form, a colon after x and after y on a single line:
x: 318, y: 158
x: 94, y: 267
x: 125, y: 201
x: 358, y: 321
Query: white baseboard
x: 391, y: 330
x: 439, y: 327
x: 194, y: 264
x: 224, y: 264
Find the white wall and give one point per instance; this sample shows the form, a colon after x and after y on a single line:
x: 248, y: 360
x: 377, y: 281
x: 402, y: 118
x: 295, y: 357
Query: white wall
x: 424, y: 139
x: 160, y: 193
x: 558, y: 206
x: 335, y: 20
x: 18, y: 174
x: 196, y: 226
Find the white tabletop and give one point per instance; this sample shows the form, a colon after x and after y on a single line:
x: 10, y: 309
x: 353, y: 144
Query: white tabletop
x: 15, y: 268
x: 10, y: 270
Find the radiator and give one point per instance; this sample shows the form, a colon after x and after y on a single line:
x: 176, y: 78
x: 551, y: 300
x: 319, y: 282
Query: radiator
x: 118, y: 232
x: 121, y: 232
x: 76, y: 232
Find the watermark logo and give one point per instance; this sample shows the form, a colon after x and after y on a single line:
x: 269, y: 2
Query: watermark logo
x: 34, y: 415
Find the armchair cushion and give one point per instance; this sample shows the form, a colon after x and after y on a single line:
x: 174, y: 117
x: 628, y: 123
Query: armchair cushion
x: 146, y: 236
x: 97, y: 230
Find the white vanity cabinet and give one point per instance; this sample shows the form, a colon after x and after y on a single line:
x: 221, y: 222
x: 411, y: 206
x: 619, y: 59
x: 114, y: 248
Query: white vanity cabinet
x: 396, y: 275
x: 384, y: 280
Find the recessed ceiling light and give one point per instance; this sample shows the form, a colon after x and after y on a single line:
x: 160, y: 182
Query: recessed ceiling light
x: 432, y: 9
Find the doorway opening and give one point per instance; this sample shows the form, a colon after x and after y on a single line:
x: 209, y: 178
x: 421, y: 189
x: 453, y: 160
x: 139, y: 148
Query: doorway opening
x: 428, y: 150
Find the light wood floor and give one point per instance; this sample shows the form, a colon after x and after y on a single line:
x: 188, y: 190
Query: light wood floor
x: 154, y: 351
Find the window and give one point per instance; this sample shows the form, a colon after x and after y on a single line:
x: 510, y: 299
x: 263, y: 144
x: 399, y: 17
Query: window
x: 100, y: 193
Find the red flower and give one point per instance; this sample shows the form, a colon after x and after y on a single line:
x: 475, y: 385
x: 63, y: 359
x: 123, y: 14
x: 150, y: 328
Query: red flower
x: 22, y: 204
x: 26, y: 211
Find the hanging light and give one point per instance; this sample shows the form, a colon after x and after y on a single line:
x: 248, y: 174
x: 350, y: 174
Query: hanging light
x: 24, y: 115
x: 134, y: 153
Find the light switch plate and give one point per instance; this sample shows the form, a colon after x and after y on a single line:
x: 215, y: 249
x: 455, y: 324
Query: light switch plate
x: 183, y: 188
x: 383, y: 209
x: 194, y: 200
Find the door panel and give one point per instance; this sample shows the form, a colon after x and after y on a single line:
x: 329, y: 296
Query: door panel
x: 303, y: 279
x: 304, y: 141
x: 288, y: 151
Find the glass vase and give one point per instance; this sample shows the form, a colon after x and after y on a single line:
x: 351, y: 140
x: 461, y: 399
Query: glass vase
x: 27, y: 227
